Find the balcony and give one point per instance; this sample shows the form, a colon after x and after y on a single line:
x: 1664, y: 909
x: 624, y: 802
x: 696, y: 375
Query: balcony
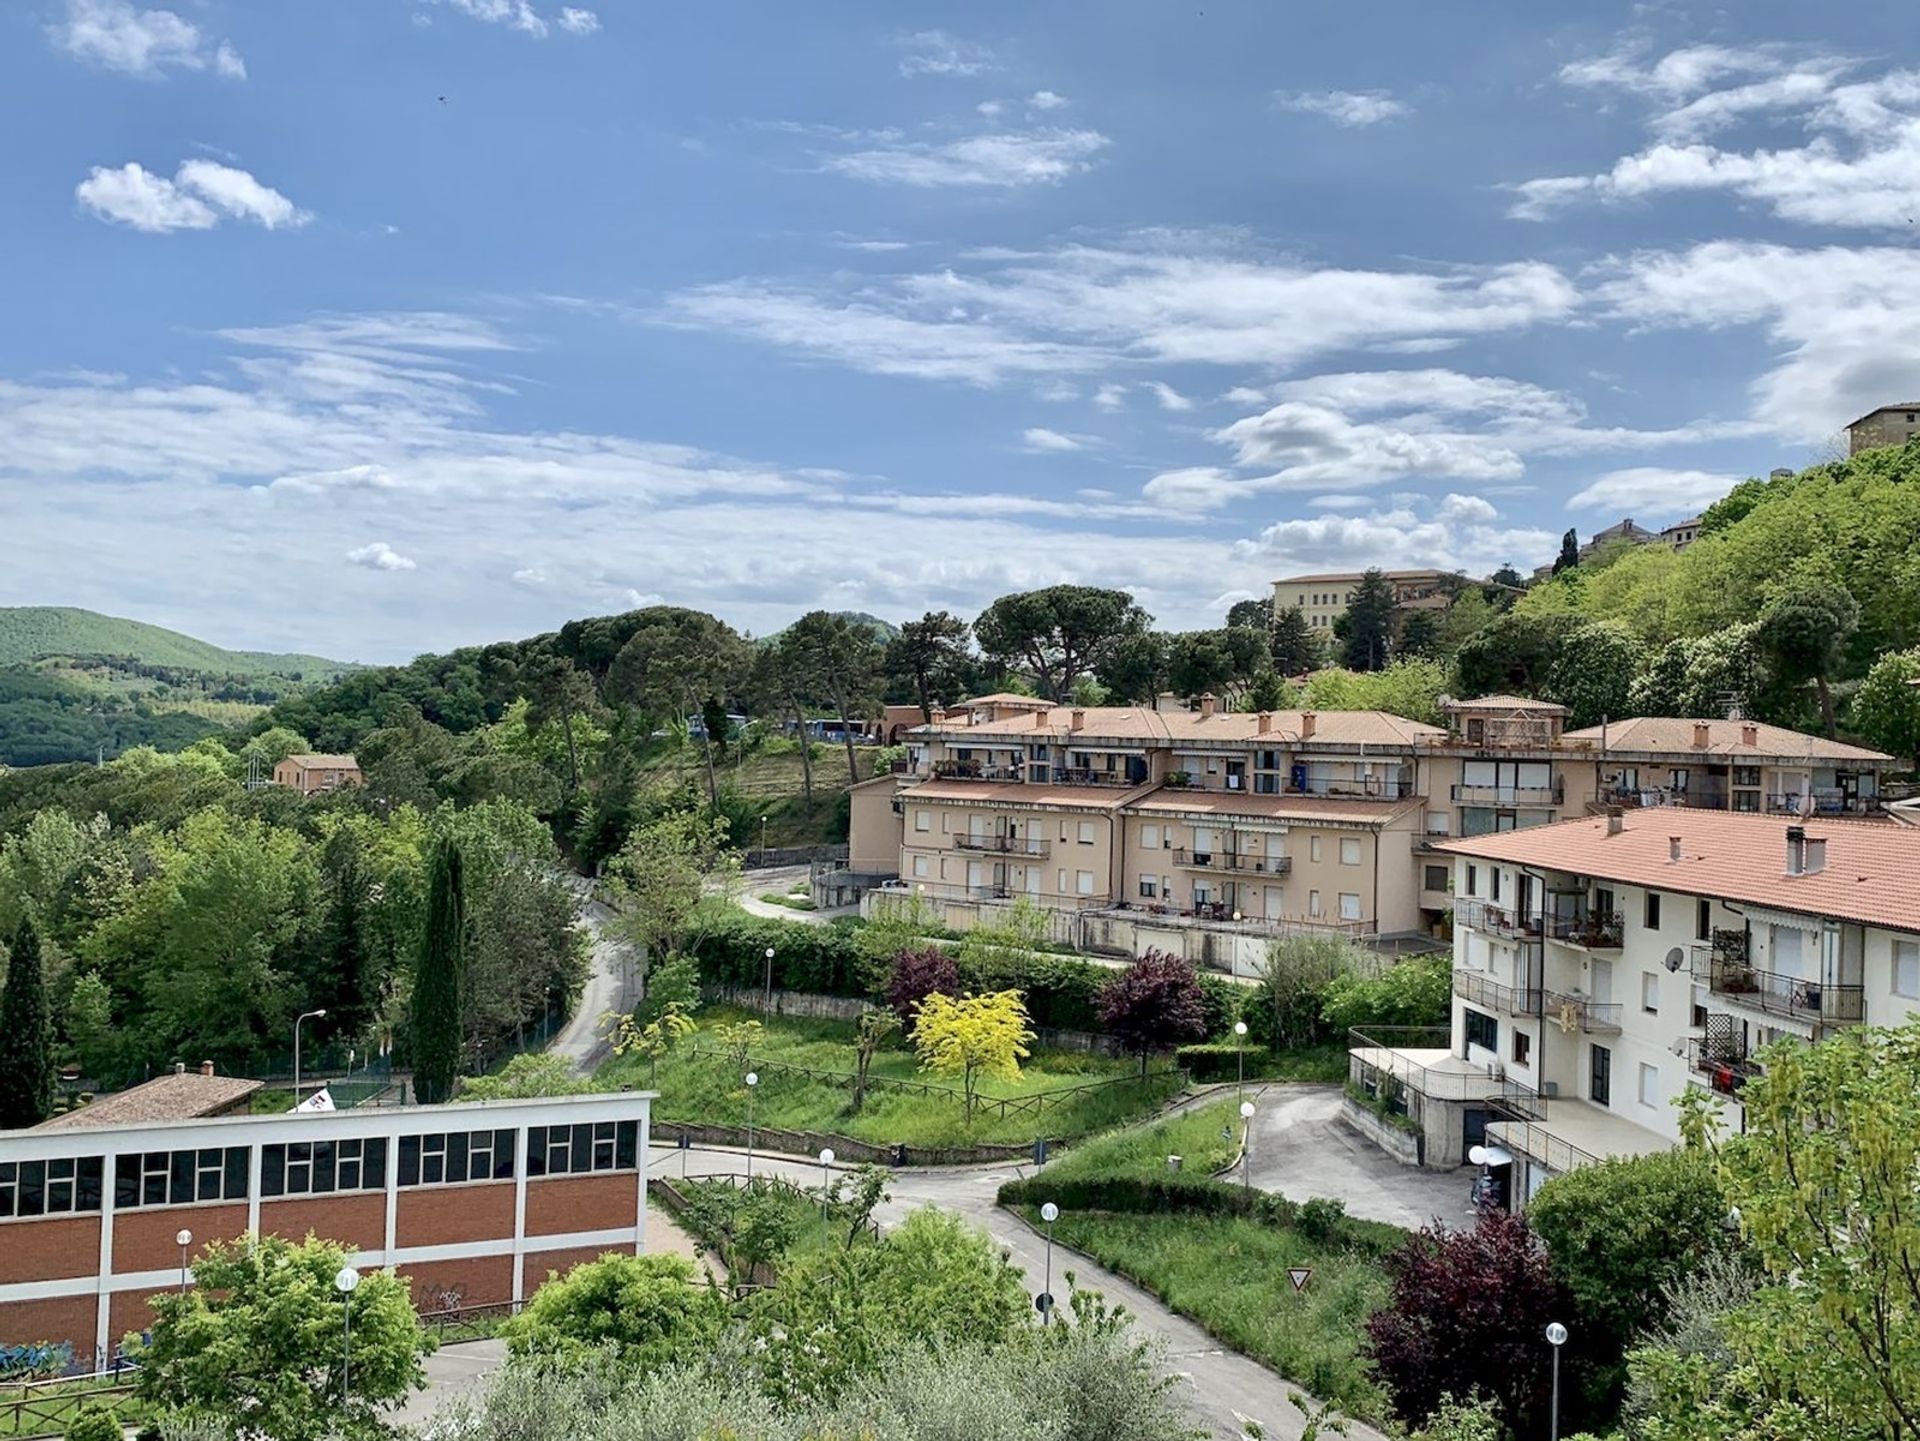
x: 1084, y: 776
x: 1479, y: 989
x: 1490, y: 919
x: 975, y: 771
x: 1421, y: 1059
x: 1577, y: 1013
x: 1373, y: 788
x: 1003, y: 845
x: 1552, y: 795
x: 1233, y: 861
x: 1798, y: 998
x: 1590, y: 930
x: 1725, y: 1069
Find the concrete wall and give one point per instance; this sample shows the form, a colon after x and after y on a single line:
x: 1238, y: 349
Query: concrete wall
x: 873, y: 833
x: 1403, y: 1146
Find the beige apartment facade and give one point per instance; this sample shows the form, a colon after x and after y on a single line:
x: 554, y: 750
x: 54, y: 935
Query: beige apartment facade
x: 1323, y: 598
x: 1604, y: 966
x: 1888, y: 425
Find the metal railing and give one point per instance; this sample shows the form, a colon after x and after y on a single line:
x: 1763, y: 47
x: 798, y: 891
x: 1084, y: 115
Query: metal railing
x: 1498, y: 920
x: 1484, y: 991
x: 1551, y: 1151
x: 1377, y: 788
x: 1796, y: 997
x: 1233, y: 861
x: 1005, y: 845
x: 1383, y: 1051
x: 1085, y: 776
x: 1590, y: 930
x: 975, y: 771
x: 1578, y: 1013
x: 1727, y: 1073
x: 1547, y: 795
x: 1518, y: 1102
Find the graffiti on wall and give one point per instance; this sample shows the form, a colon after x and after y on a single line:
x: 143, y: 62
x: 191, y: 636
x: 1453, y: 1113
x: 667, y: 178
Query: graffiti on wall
x: 40, y: 1358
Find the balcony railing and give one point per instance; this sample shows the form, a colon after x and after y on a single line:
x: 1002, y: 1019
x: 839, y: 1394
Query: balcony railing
x: 1578, y: 1013
x: 1378, y: 788
x: 1003, y: 845
x: 1384, y: 1050
x: 1498, y: 920
x: 1085, y: 776
x: 1796, y: 997
x: 1536, y: 1141
x: 1518, y: 1102
x: 1482, y: 990
x: 975, y: 771
x: 1233, y: 861
x: 1726, y: 1072
x: 1590, y: 930
x: 1548, y: 795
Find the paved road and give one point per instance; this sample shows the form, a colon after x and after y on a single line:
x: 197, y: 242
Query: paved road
x: 612, y: 985
x: 778, y: 880
x: 1302, y: 1150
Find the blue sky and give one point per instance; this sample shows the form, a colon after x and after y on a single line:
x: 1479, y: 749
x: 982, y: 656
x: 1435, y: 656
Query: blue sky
x: 376, y: 326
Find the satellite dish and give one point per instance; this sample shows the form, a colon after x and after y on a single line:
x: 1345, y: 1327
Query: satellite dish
x: 1676, y: 958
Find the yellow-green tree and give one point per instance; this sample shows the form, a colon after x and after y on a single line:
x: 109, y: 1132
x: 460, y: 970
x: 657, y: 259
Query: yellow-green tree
x: 973, y: 1037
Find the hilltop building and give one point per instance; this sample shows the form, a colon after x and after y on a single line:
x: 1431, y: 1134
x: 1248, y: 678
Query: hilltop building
x: 313, y: 774
x: 1324, y: 598
x: 1888, y: 425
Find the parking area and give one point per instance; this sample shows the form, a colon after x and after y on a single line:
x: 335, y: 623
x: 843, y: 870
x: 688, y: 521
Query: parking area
x: 1302, y: 1150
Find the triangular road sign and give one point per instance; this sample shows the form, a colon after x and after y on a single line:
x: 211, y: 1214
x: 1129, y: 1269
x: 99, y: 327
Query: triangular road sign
x: 1299, y: 1276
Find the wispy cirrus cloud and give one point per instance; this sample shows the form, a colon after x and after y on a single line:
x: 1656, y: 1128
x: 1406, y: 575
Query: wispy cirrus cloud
x: 935, y: 52
x: 1004, y: 159
x: 523, y: 16
x: 1355, y: 109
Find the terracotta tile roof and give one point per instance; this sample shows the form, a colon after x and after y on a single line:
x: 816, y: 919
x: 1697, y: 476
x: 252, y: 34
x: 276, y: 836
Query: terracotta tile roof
x: 325, y: 763
x: 1672, y: 735
x: 1334, y: 576
x: 1001, y: 697
x: 179, y: 1097
x: 1504, y: 702
x: 1139, y: 725
x: 1001, y: 793
x: 1304, y: 809
x: 1871, y: 874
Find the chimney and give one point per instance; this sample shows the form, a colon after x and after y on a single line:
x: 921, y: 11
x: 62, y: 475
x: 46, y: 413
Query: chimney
x: 1616, y: 820
x: 1673, y: 848
x: 1796, y: 850
x: 206, y: 1068
x: 1308, y: 720
x: 1207, y: 705
x: 1077, y: 720
x: 1042, y: 718
x: 1749, y: 735
x: 1702, y: 735
x: 179, y: 1068
x: 1263, y: 724
x: 1816, y: 855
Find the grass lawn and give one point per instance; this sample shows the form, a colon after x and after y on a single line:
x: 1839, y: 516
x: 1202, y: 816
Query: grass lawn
x: 44, y: 1408
x: 1230, y: 1275
x: 1142, y: 1151
x: 710, y: 1088
x: 793, y: 900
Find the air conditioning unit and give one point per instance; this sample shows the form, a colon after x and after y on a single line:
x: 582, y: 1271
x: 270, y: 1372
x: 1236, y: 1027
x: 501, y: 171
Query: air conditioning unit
x: 1496, y: 1071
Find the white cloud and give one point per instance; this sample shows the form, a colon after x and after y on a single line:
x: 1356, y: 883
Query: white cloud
x: 995, y: 159
x: 1039, y: 438
x: 116, y: 35
x: 935, y: 52
x: 1676, y: 76
x: 1408, y: 535
x: 1652, y: 490
x: 990, y: 108
x: 1860, y: 166
x: 1842, y: 326
x: 1046, y: 100
x: 514, y: 14
x: 1352, y: 108
x: 199, y: 193
x: 1083, y: 308
x: 1110, y: 397
x: 578, y: 22
x: 1169, y: 398
x: 380, y: 556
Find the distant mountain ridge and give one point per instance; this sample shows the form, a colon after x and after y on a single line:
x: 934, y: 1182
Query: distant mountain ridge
x: 32, y: 632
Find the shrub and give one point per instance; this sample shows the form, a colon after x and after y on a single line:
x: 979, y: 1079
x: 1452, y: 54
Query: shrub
x: 820, y: 959
x: 1213, y: 1060
x: 915, y: 976
x: 647, y: 1309
x: 1414, y: 993
x: 94, y: 1422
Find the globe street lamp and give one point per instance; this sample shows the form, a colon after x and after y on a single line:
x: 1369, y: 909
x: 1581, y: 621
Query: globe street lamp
x: 1556, y: 1338
x: 1048, y: 1213
x: 1240, y: 1049
x: 303, y: 1016
x: 183, y: 1238
x: 344, y: 1281
x: 1246, y: 1146
x: 753, y: 1079
x: 826, y: 1160
x: 769, y: 980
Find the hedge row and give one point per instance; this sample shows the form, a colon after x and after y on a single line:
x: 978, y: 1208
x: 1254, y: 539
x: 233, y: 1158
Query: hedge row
x: 1319, y: 1219
x: 1061, y: 991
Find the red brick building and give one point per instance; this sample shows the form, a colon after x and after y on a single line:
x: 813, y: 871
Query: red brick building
x: 477, y: 1204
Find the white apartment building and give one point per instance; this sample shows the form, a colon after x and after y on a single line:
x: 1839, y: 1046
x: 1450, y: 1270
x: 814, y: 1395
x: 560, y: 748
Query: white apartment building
x: 1604, y: 965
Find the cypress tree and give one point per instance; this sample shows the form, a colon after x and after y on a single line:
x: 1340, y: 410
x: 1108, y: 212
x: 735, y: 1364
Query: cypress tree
x: 437, y: 980
x: 26, y: 1036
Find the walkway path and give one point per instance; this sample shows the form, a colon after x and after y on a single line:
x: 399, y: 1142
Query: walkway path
x: 612, y: 985
x: 1302, y: 1149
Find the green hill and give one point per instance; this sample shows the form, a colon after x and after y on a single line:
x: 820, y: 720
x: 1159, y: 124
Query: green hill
x: 33, y: 632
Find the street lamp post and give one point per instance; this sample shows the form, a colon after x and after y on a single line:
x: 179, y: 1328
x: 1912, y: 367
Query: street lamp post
x: 1246, y: 1147
x: 1240, y: 1049
x: 769, y: 980
x: 826, y: 1160
x: 1556, y: 1338
x: 303, y: 1016
x: 1048, y: 1213
x: 183, y: 1238
x: 344, y: 1281
x: 753, y: 1079
x: 763, y: 840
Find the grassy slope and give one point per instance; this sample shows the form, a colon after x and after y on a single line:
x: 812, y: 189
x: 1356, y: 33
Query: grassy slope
x: 703, y: 1087
x: 27, y: 632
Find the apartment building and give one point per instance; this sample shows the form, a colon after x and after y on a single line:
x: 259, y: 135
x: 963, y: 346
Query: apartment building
x: 476, y: 1204
x: 1737, y: 765
x: 1681, y: 534
x: 1887, y: 425
x: 1604, y: 965
x: 1324, y: 598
